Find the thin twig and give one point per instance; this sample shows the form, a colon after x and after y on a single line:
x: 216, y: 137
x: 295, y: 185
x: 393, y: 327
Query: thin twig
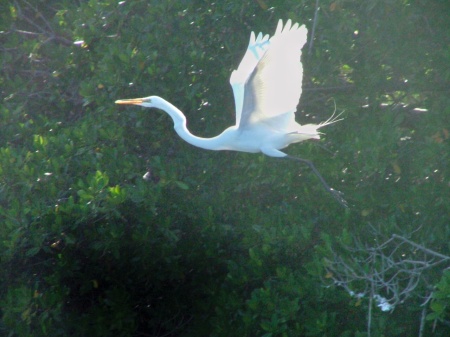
x: 313, y: 30
x: 422, y: 248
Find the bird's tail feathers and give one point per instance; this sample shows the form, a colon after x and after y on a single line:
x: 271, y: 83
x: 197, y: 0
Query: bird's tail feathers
x: 308, y: 131
x: 333, y: 119
x: 311, y: 131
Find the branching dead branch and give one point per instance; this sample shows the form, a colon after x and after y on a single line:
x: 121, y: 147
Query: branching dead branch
x: 389, y: 272
x: 43, y: 31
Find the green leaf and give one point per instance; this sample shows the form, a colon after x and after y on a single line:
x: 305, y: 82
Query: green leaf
x: 182, y: 185
x: 33, y: 251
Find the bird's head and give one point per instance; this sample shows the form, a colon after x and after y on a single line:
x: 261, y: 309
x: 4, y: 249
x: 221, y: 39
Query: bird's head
x: 146, y: 101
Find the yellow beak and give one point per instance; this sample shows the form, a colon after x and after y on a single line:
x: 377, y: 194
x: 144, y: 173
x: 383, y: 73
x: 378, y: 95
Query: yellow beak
x: 130, y: 101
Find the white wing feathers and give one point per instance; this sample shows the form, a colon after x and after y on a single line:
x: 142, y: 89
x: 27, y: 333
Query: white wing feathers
x: 268, y: 82
x: 255, y: 50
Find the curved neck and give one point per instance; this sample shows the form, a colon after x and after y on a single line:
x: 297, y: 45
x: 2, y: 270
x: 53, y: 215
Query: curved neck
x: 179, y: 121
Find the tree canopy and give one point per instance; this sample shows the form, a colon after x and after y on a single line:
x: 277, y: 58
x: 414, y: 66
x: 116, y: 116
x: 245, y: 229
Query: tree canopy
x: 222, y: 243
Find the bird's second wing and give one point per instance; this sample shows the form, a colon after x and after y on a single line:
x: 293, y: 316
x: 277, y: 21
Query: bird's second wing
x: 273, y: 90
x: 255, y: 51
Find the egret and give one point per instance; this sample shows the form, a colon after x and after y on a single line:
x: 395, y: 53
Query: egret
x: 267, y: 86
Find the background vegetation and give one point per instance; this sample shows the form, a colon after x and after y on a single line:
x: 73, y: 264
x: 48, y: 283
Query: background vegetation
x: 221, y: 244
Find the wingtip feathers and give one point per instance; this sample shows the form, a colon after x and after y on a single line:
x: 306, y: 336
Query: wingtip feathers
x: 258, y: 45
x: 252, y: 38
x: 279, y: 27
x: 289, y: 27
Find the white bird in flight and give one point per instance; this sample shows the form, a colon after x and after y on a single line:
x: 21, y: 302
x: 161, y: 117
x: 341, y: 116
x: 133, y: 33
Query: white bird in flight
x: 267, y: 86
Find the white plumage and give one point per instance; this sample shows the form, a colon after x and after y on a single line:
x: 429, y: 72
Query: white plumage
x: 267, y: 86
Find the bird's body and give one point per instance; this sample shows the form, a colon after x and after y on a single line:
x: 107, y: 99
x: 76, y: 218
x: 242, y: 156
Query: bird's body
x: 267, y: 87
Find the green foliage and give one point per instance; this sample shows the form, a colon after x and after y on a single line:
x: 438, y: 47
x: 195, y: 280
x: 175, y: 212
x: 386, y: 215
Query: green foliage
x: 440, y: 304
x: 212, y: 244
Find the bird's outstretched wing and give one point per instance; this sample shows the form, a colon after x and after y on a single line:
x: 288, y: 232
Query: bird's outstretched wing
x: 255, y: 51
x: 273, y: 88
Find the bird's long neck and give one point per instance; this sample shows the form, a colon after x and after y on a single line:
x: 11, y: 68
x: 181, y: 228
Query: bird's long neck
x: 179, y: 121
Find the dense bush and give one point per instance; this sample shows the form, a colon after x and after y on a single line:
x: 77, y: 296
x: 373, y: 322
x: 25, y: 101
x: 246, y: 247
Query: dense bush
x: 217, y: 244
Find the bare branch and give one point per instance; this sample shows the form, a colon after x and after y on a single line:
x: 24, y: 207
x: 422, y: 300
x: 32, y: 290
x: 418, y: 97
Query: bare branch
x: 394, y: 267
x: 426, y: 250
x: 46, y: 31
x: 311, y: 40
